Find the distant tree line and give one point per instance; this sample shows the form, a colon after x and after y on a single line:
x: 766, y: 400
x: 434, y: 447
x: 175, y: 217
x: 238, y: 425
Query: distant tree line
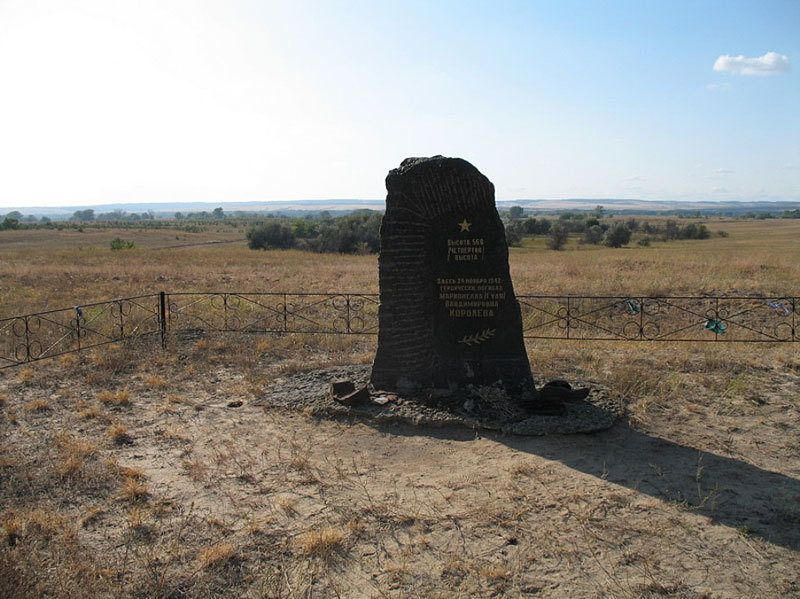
x: 593, y: 229
x: 15, y: 220
x: 765, y: 215
x: 358, y: 231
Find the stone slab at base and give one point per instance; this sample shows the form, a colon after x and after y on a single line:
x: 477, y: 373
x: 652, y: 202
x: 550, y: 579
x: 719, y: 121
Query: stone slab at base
x: 487, y: 408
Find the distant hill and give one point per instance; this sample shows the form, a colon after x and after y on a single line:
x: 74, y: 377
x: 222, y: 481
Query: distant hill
x: 340, y: 205
x: 164, y: 209
x: 633, y: 206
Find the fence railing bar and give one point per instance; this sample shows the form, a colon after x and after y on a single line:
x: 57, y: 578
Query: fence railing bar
x: 273, y: 293
x: 84, y: 306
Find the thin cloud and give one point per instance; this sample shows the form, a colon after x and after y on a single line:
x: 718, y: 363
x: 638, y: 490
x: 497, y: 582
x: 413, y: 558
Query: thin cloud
x: 722, y: 171
x: 769, y: 64
x: 723, y: 87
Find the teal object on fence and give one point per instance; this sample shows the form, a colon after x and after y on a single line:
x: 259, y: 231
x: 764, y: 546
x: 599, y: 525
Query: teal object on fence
x: 716, y: 326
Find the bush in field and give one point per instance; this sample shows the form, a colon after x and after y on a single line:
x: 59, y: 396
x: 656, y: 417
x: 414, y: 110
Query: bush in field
x: 558, y: 236
x: 83, y: 215
x: 352, y: 234
x: 694, y: 231
x: 304, y: 228
x: 121, y: 244
x: 591, y: 222
x: 271, y: 235
x: 691, y: 231
x: 516, y: 211
x: 593, y: 234
x: 514, y: 233
x: 536, y: 226
x: 617, y: 236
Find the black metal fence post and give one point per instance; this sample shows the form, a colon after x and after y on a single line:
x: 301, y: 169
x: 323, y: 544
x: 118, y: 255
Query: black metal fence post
x: 27, y: 340
x: 641, y: 317
x: 569, y: 307
x: 285, y: 315
x: 162, y: 317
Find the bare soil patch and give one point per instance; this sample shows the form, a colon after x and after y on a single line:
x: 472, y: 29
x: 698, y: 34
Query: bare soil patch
x: 131, y: 473
x: 479, y: 407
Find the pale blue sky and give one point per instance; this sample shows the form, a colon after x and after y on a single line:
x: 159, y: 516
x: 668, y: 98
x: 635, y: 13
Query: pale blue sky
x: 152, y: 101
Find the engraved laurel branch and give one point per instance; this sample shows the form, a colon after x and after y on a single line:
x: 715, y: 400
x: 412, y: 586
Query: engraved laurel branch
x: 478, y: 338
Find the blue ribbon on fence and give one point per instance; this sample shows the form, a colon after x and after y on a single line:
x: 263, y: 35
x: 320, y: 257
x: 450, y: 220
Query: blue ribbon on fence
x: 779, y: 307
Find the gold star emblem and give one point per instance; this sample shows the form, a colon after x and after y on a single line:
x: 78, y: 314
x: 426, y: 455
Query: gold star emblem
x: 465, y: 225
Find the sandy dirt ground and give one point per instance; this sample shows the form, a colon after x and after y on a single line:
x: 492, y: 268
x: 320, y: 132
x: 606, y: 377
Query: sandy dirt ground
x: 690, y: 504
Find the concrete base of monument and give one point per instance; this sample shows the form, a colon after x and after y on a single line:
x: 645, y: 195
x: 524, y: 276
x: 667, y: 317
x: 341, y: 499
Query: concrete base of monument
x: 487, y: 407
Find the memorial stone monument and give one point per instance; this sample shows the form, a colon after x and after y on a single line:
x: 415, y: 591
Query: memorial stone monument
x: 448, y: 316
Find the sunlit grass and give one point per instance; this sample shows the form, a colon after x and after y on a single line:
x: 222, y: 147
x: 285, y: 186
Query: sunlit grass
x: 45, y: 272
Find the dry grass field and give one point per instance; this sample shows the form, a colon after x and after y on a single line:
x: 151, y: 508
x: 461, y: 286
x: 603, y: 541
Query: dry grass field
x: 124, y: 471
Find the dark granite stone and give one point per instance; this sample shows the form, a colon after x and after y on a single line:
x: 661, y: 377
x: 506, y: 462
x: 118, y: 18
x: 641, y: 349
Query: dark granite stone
x: 448, y: 315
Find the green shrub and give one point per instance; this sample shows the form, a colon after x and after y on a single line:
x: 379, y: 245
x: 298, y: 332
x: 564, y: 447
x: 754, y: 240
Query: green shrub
x: 271, y: 235
x: 558, y: 236
x: 694, y: 231
x: 618, y: 235
x: 514, y: 231
x: 593, y: 234
x: 534, y: 226
x: 121, y: 244
x: 355, y: 233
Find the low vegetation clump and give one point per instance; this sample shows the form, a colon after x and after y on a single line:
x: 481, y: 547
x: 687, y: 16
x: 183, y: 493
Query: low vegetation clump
x: 217, y: 556
x: 121, y: 397
x: 593, y: 228
x: 9, y: 224
x: 270, y: 236
x: 134, y: 490
x: 122, y: 244
x: 118, y: 434
x: 558, y: 237
x: 355, y: 233
x: 321, y: 543
x: 617, y: 235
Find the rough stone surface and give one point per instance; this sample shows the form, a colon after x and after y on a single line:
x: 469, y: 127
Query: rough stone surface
x: 448, y: 315
x: 477, y: 407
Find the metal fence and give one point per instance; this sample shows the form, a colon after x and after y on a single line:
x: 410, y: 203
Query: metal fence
x: 42, y: 335
x: 665, y: 318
